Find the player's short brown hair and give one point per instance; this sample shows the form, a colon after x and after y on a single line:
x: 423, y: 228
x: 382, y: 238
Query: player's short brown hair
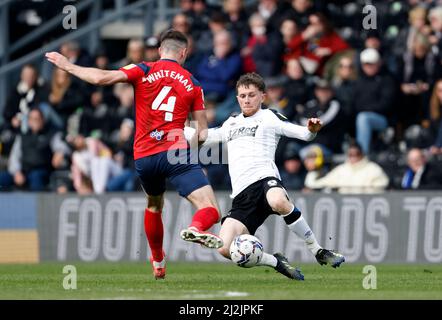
x: 251, y: 79
x: 173, y: 36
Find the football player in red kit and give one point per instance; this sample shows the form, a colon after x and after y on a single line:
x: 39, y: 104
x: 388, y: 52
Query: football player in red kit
x: 165, y: 93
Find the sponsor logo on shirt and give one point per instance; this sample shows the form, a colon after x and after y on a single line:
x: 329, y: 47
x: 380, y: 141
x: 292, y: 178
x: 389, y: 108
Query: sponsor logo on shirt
x: 242, y: 132
x: 158, y: 135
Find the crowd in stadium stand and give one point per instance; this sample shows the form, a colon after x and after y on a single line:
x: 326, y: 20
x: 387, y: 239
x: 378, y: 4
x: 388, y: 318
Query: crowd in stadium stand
x: 378, y: 93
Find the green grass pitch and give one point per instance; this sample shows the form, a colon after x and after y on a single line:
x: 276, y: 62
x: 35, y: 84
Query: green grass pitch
x: 217, y: 281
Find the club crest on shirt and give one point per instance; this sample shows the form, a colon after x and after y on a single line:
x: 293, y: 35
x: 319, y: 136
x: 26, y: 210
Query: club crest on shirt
x: 157, y: 134
x: 242, y: 132
x: 272, y: 183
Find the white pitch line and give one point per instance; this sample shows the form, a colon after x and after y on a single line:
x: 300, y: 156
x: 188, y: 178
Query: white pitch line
x: 216, y: 294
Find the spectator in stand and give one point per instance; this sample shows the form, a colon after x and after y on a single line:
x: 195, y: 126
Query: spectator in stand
x: 420, y: 173
x: 295, y: 91
x: 356, y: 175
x: 417, y: 18
x: 223, y: 110
x: 373, y: 39
x: 79, y: 56
x: 314, y: 160
x: 435, y: 18
x: 186, y: 7
x: 374, y: 97
x: 293, y: 172
x: 102, y: 62
x: 181, y: 22
x: 122, y: 148
x: 201, y: 13
x: 271, y: 10
x: 325, y: 107
x: 30, y: 92
x: 218, y: 71
x: 300, y: 11
x: 134, y: 53
x: 151, y: 53
x: 194, y: 57
x: 264, y: 49
x: 125, y: 109
x: 288, y: 29
x: 435, y: 121
x: 257, y: 28
x: 80, y: 168
x: 276, y: 97
x: 298, y: 86
x: 75, y: 54
x: 92, y: 165
x: 34, y: 155
x: 237, y: 20
x: 96, y: 116
x: 217, y: 23
x: 417, y: 74
x: 343, y: 84
x: 66, y: 96
x: 316, y: 44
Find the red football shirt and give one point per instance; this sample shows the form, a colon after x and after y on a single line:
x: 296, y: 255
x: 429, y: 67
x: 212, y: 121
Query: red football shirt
x: 165, y: 93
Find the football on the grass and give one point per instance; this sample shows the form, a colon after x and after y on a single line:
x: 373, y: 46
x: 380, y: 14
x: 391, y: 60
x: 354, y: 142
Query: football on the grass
x: 246, y: 250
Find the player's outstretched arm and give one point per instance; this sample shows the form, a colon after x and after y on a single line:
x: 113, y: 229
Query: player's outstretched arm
x: 94, y: 76
x: 214, y: 135
x: 306, y: 133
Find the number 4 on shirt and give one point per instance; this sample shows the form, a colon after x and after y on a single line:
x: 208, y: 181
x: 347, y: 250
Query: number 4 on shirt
x: 169, y: 106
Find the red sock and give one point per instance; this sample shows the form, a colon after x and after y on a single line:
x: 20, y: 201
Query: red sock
x: 205, y: 218
x: 153, y: 226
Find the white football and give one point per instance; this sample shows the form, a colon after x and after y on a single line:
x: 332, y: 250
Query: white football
x: 246, y: 250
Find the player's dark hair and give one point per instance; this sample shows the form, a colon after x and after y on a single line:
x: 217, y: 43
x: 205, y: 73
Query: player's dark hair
x: 251, y: 79
x: 173, y: 36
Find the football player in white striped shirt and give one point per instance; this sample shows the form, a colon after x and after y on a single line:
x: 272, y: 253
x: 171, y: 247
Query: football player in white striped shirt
x: 257, y: 191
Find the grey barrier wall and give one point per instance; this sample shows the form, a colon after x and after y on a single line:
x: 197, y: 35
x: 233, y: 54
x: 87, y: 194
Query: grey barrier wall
x: 385, y: 228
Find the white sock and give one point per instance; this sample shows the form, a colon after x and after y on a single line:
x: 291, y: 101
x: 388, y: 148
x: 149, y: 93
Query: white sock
x: 268, y: 260
x: 302, y: 230
x: 160, y: 264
